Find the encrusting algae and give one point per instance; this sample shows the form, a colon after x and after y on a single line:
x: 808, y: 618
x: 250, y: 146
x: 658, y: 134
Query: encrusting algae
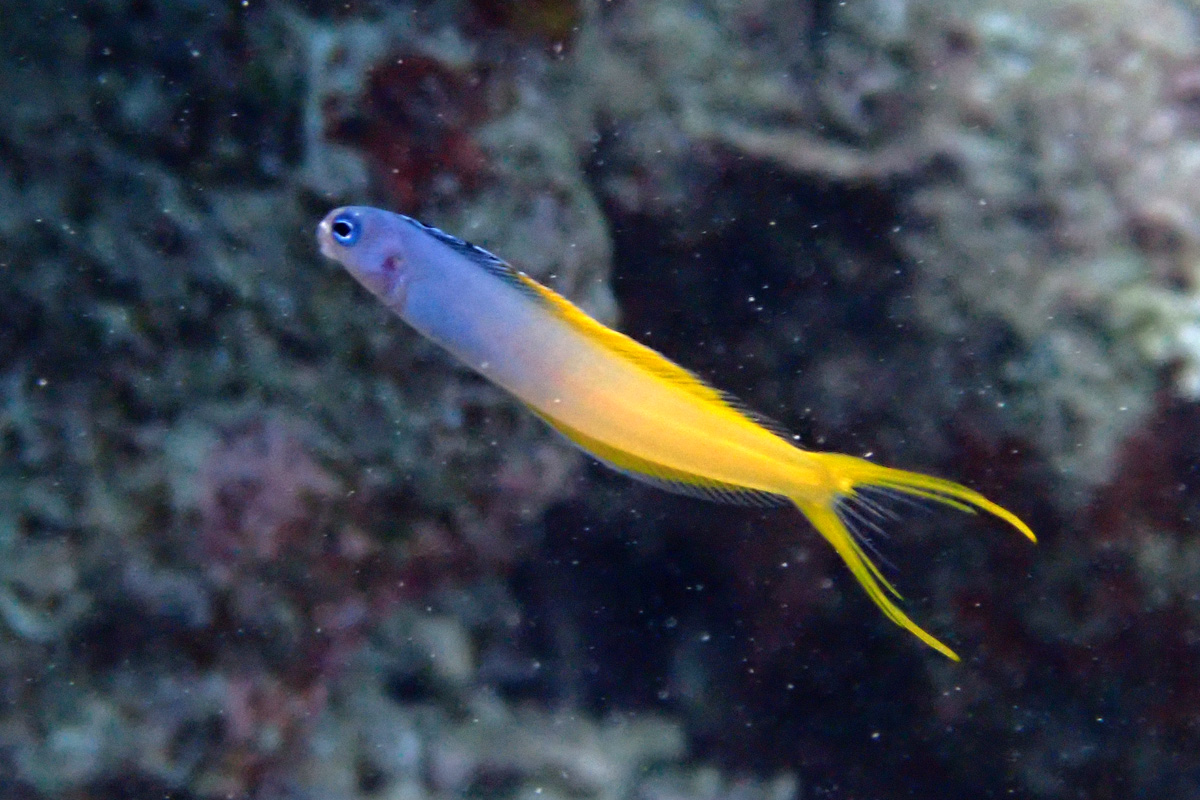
x: 620, y: 401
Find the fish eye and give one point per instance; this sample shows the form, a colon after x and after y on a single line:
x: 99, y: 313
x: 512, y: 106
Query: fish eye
x: 345, y: 230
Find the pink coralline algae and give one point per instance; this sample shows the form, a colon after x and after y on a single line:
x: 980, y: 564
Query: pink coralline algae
x: 257, y: 487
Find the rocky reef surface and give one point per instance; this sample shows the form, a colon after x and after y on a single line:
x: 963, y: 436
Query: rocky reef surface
x: 259, y: 540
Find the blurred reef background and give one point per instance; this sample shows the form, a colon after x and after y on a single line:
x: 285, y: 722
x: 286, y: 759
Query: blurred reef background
x: 259, y: 540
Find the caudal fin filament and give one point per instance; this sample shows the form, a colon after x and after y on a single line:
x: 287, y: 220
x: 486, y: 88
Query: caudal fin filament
x: 835, y: 515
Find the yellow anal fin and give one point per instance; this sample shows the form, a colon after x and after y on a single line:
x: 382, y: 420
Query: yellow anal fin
x: 663, y: 477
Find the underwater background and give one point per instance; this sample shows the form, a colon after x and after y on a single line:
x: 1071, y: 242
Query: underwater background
x: 258, y: 539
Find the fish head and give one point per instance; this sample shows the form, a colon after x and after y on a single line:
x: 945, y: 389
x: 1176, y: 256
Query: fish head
x: 371, y: 244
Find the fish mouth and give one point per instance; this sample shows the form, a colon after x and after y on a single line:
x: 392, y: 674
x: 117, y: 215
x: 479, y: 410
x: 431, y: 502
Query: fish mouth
x: 325, y: 238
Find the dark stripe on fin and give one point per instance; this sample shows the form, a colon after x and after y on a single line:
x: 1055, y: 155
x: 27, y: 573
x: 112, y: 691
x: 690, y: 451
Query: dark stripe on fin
x: 488, y: 261
x: 662, y: 477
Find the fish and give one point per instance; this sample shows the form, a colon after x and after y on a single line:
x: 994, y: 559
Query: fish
x: 622, y: 402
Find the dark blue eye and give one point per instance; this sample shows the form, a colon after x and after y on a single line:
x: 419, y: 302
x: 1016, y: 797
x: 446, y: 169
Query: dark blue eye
x: 345, y: 230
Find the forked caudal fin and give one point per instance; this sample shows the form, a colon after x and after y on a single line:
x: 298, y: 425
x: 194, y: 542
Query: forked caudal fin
x: 834, y: 515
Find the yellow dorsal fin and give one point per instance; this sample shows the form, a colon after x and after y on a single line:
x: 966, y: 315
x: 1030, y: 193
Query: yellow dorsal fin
x: 647, y: 358
x: 622, y: 345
